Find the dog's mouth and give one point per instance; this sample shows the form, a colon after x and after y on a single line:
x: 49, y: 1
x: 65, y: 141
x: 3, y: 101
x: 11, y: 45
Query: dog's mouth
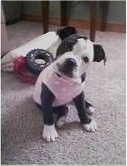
x: 68, y: 68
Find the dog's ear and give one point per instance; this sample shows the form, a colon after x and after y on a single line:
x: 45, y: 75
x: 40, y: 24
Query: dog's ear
x: 99, y: 53
x: 66, y: 31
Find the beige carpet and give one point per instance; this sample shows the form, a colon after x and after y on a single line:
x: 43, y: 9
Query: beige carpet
x: 105, y: 88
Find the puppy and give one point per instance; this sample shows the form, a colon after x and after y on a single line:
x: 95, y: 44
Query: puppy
x: 70, y: 34
x: 62, y: 82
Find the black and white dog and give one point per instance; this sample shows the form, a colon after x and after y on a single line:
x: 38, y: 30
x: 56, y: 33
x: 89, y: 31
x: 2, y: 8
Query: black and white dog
x: 62, y: 82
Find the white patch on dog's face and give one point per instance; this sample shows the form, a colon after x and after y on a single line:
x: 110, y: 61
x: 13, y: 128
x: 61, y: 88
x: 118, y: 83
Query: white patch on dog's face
x: 82, y: 54
x: 84, y: 48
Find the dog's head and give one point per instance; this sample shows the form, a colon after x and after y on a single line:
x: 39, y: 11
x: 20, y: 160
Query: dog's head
x: 73, y: 55
x: 70, y: 33
x: 76, y: 52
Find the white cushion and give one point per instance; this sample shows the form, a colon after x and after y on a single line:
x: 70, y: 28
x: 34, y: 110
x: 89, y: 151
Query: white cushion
x: 47, y: 41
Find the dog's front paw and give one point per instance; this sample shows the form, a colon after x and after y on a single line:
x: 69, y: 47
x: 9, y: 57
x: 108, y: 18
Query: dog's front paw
x: 91, y: 127
x: 49, y: 133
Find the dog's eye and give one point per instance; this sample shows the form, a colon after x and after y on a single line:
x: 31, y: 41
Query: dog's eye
x: 85, y: 59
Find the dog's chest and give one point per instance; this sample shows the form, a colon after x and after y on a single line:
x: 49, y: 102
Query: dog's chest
x: 63, y: 89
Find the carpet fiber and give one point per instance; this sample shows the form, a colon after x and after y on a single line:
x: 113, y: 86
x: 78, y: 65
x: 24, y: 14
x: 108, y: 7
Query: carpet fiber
x: 105, y: 87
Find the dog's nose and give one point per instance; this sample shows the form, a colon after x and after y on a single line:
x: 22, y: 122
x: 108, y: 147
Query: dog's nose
x: 70, y: 62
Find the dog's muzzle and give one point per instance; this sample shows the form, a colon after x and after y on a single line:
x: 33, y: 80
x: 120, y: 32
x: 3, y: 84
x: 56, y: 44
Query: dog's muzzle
x: 68, y: 67
x: 70, y: 63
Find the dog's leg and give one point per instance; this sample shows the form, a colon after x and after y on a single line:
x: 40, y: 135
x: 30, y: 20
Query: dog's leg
x: 49, y: 132
x: 90, y: 109
x: 87, y: 123
x: 61, y: 113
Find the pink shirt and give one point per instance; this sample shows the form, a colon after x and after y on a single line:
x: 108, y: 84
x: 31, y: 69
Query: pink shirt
x: 63, y: 88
